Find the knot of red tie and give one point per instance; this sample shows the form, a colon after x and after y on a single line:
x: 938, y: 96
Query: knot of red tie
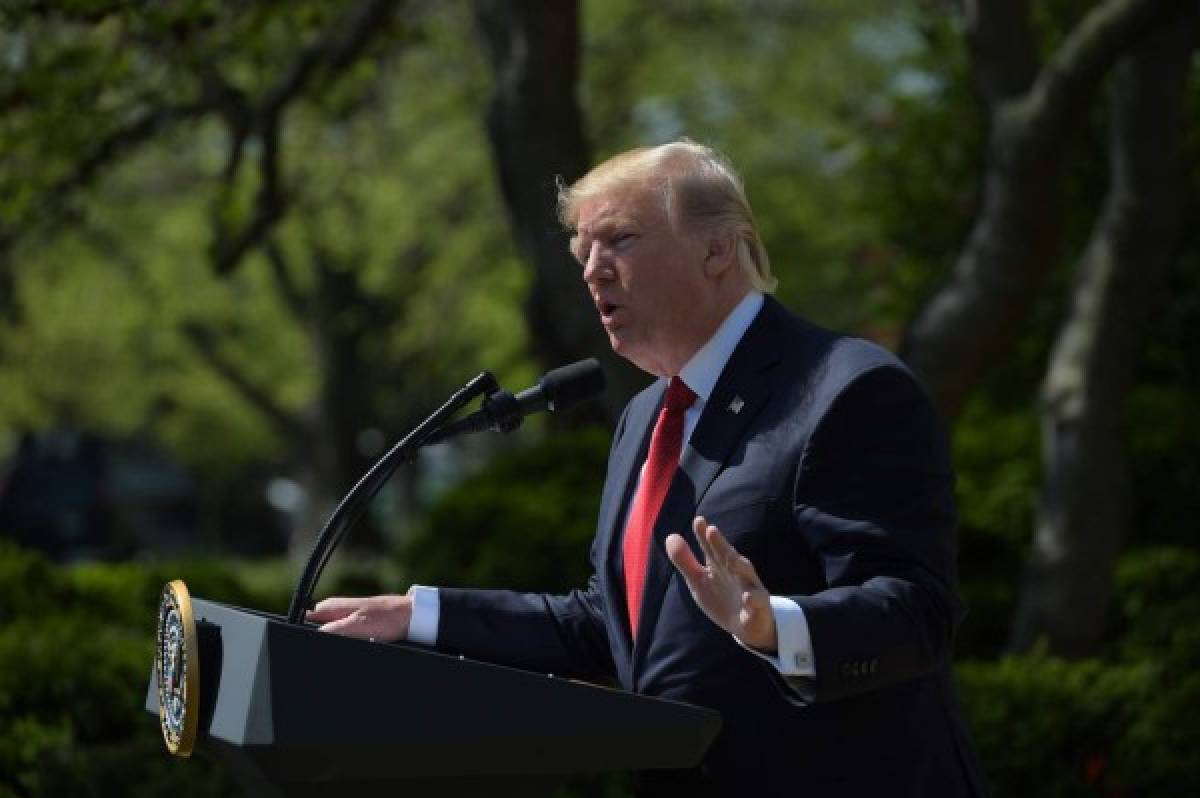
x: 679, y: 396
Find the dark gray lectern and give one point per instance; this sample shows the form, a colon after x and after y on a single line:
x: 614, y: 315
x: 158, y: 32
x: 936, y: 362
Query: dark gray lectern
x: 295, y: 712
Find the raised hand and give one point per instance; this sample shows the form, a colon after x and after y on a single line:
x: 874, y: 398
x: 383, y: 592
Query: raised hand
x: 726, y: 586
x: 382, y: 618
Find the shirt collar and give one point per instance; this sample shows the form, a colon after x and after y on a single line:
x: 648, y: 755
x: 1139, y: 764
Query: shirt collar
x: 704, y: 369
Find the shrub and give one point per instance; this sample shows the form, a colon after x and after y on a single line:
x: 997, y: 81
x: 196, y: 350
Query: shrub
x: 1049, y: 727
x: 76, y: 648
x: 524, y: 523
x: 1125, y: 724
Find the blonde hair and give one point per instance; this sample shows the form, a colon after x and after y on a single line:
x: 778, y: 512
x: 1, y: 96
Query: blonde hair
x: 699, y: 188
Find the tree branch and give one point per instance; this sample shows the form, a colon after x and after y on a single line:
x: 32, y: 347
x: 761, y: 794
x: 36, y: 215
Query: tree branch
x: 338, y: 48
x: 108, y: 150
x: 334, y: 51
x: 1015, y: 237
x: 269, y: 205
x: 231, y: 103
x: 206, y: 340
x: 1089, y: 50
x: 295, y: 301
x: 1002, y: 47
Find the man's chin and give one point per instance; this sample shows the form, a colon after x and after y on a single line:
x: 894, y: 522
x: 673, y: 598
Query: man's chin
x: 635, y: 355
x: 618, y: 342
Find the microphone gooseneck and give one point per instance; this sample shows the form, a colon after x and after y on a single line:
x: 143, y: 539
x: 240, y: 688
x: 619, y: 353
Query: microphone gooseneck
x: 557, y: 390
x: 502, y: 411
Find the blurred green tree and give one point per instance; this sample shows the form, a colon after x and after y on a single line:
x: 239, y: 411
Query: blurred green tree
x: 1033, y: 114
x: 536, y: 130
x: 242, y: 230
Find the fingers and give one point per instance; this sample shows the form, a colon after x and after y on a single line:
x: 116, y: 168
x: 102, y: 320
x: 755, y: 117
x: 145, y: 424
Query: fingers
x: 699, y: 529
x: 333, y: 608
x: 350, y: 626
x: 680, y: 554
x: 716, y: 549
x: 725, y: 553
x: 720, y: 557
x: 382, y: 618
x: 728, y: 557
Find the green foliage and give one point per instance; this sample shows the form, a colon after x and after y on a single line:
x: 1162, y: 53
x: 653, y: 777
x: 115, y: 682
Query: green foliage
x: 523, y: 523
x: 1047, y: 727
x: 76, y: 646
x: 1159, y: 622
x: 782, y: 90
x: 1159, y: 608
x: 999, y: 471
x: 920, y: 146
x: 1124, y: 724
x: 390, y: 227
x: 1161, y: 419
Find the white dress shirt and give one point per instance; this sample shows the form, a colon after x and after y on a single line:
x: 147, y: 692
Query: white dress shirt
x: 795, y: 656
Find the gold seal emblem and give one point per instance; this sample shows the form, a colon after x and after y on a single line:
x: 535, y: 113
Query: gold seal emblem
x: 176, y: 664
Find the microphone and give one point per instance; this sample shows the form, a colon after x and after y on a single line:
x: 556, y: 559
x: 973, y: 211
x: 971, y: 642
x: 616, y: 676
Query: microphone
x: 557, y: 390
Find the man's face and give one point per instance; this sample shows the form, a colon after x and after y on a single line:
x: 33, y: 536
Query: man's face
x: 645, y: 278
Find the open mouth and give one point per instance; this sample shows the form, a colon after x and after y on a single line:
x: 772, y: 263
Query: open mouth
x: 610, y: 312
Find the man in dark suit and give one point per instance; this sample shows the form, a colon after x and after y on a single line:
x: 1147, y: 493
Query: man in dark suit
x: 776, y: 533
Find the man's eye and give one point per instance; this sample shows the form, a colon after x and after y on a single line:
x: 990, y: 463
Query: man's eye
x: 621, y: 238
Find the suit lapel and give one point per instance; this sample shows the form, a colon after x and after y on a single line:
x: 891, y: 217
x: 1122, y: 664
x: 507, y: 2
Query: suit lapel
x: 738, y: 397
x: 627, y: 459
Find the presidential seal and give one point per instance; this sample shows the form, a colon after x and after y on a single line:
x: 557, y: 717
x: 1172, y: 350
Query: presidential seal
x: 176, y: 664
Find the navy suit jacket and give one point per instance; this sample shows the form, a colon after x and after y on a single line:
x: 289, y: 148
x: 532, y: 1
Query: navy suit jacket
x: 833, y: 478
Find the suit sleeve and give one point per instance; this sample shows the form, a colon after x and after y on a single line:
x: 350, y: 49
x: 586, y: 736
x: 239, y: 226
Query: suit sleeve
x: 874, y: 502
x: 561, y: 634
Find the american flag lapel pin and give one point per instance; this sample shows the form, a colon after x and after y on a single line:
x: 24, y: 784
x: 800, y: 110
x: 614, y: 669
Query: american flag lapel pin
x: 736, y: 405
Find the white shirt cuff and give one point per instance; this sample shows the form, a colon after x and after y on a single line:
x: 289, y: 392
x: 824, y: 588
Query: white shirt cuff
x: 426, y: 610
x: 795, y: 654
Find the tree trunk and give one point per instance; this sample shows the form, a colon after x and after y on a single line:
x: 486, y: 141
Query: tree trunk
x: 1085, y: 506
x: 1014, y: 240
x: 536, y: 131
x: 343, y: 410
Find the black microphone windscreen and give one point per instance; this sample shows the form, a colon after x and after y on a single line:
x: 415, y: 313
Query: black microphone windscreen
x: 566, y: 385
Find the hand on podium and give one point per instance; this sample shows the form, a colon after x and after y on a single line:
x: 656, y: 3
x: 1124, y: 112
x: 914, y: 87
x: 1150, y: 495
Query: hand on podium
x: 376, y: 618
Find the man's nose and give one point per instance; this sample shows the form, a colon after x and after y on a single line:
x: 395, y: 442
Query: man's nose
x: 598, y: 266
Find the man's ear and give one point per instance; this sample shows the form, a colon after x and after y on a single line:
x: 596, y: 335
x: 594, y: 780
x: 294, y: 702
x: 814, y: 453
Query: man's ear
x: 722, y: 253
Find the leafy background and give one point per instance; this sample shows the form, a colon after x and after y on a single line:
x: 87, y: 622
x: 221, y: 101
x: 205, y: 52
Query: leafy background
x: 391, y: 276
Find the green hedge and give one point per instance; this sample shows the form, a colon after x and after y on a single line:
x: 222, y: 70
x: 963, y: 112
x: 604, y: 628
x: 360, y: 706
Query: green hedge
x: 1123, y: 724
x: 1050, y: 727
x: 76, y: 646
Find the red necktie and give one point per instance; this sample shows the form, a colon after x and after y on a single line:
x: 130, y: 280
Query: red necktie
x: 661, y: 463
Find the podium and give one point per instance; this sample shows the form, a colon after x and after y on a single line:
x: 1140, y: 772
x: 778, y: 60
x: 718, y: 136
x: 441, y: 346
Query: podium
x: 292, y: 711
